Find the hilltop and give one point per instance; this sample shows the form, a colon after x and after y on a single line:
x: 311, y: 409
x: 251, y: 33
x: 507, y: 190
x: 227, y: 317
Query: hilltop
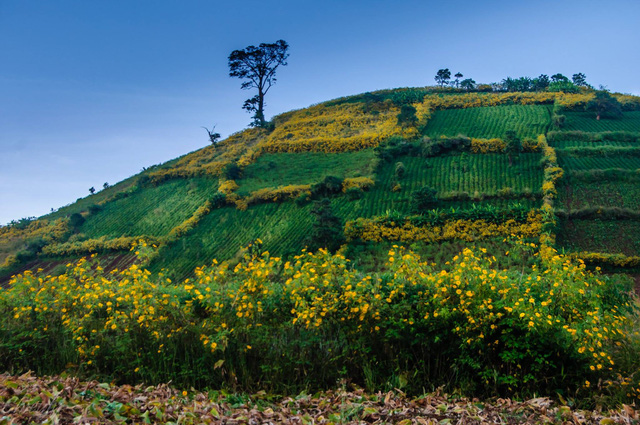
x: 369, y: 154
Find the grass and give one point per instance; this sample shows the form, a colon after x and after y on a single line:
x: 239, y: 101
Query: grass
x: 488, y: 122
x: 281, y: 169
x: 586, y: 121
x: 607, y: 236
x: 153, y: 211
x: 579, y: 194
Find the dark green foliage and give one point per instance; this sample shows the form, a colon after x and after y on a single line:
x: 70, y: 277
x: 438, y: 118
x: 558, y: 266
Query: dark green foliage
x: 443, y: 144
x: 302, y: 199
x: 468, y: 84
x: 257, y: 66
x: 443, y: 76
x: 407, y: 116
x: 424, y: 199
x: 76, y: 220
x: 218, y: 200
x: 513, y: 145
x: 605, y: 105
x: 354, y: 193
x: 232, y: 171
x: 394, y: 147
x: 585, y: 121
x: 606, y: 236
x: 327, y: 228
x: 580, y: 80
x: 327, y: 187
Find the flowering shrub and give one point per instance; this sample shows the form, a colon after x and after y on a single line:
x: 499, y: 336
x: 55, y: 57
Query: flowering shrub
x: 363, y: 183
x: 380, y: 229
x: 471, y: 326
x: 477, y: 100
x: 603, y: 259
x: 279, y: 194
x: 227, y: 187
x: 101, y: 244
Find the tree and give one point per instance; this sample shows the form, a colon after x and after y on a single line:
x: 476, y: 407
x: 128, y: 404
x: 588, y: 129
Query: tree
x: 105, y: 185
x: 443, y: 76
x: 559, y: 78
x: 604, y: 105
x: 257, y: 65
x: 513, y: 145
x: 468, y: 84
x: 213, y: 136
x: 327, y: 229
x: 580, y: 79
x: 407, y: 116
x: 457, y: 80
x: 92, y: 190
x: 542, y: 82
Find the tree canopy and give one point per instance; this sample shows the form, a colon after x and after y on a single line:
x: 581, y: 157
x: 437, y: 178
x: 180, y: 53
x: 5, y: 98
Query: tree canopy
x: 605, y: 105
x: 257, y: 65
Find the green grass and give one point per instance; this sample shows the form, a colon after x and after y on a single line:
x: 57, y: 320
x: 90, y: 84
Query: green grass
x: 606, y: 236
x: 153, y: 211
x: 570, y: 162
x: 281, y: 169
x: 586, y: 121
x: 487, y: 122
x: 581, y: 194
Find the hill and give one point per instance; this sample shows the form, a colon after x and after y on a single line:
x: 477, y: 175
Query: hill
x: 260, y: 183
x: 463, y: 225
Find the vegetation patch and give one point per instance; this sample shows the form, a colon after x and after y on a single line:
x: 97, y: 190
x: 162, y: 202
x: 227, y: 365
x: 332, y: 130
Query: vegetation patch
x: 282, y: 169
x: 605, y: 236
x: 491, y: 122
x: 585, y: 121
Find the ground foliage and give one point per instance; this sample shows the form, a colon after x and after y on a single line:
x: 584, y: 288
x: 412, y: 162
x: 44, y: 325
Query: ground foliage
x: 66, y: 400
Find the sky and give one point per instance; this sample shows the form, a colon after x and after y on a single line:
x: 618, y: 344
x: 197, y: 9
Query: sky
x: 93, y: 91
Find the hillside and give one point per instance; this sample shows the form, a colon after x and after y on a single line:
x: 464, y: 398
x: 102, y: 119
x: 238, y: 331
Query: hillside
x: 261, y: 183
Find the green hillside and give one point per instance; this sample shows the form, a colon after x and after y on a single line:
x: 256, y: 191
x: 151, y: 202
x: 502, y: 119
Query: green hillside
x: 481, y: 243
x: 262, y: 183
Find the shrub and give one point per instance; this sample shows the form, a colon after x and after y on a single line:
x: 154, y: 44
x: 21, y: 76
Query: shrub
x: 328, y: 186
x: 424, y: 199
x: 232, y: 171
x: 399, y: 170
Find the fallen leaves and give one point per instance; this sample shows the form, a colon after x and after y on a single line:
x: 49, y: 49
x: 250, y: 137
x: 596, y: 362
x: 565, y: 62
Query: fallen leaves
x: 67, y: 400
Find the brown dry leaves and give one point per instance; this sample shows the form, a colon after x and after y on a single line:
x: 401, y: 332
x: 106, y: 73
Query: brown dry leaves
x: 66, y: 400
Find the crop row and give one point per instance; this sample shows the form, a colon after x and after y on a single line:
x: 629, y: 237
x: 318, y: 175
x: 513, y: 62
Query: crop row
x: 153, y: 211
x: 608, y: 236
x: 563, y: 144
x: 586, y: 121
x: 571, y: 163
x: 580, y: 194
x: 489, y: 122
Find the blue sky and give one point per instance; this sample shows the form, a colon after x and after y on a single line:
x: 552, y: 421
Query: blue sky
x: 92, y: 91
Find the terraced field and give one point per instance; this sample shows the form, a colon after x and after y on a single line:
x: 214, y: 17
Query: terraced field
x: 153, y: 211
x: 580, y: 194
x: 586, y: 121
x: 488, y: 122
x: 579, y: 163
x: 281, y: 169
x: 607, y: 236
x: 563, y: 144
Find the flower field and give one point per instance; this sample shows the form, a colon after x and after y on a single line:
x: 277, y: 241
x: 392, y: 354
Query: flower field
x: 267, y: 323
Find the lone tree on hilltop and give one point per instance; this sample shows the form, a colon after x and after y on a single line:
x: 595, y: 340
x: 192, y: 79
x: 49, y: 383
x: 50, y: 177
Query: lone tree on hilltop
x: 92, y: 190
x: 257, y: 65
x: 605, y: 105
x: 443, y: 76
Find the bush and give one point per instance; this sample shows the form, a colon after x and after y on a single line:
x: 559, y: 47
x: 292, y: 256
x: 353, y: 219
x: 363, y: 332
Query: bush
x: 232, y: 171
x: 354, y: 193
x: 76, y: 220
x: 424, y: 199
x: 328, y: 186
x: 399, y: 170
